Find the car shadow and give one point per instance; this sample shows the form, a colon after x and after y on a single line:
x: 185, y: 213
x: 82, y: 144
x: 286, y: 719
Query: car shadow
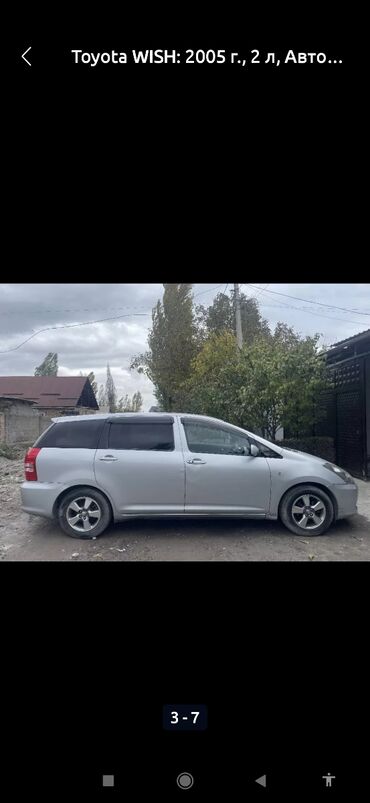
x: 194, y: 527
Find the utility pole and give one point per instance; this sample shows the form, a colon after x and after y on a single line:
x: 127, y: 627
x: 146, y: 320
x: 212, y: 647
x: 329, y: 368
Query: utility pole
x: 238, y: 318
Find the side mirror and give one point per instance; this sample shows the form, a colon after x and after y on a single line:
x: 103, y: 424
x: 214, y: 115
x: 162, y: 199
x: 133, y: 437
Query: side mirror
x: 254, y: 450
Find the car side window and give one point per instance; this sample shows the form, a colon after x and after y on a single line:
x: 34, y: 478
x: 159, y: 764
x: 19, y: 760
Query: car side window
x: 142, y: 437
x: 72, y: 435
x: 209, y: 439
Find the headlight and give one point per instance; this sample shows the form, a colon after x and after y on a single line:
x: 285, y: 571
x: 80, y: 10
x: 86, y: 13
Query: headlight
x: 339, y: 471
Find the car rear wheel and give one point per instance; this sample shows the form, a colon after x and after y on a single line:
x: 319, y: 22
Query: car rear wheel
x: 84, y: 513
x: 307, y: 510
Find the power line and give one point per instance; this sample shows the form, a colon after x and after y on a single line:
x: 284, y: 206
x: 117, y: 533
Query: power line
x: 308, y: 300
x: 207, y: 291
x: 261, y: 290
x: 311, y: 312
x: 73, y: 325
x: 302, y: 309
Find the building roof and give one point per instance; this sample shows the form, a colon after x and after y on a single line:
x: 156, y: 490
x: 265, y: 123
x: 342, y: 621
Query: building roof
x: 350, y: 340
x: 50, y: 391
x: 351, y: 347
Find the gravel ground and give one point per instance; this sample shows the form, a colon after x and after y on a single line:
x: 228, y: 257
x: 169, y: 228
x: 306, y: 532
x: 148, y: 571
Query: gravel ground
x: 29, y: 538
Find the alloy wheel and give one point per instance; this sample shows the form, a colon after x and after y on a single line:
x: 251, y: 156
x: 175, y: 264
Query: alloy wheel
x: 83, y: 514
x: 308, y: 511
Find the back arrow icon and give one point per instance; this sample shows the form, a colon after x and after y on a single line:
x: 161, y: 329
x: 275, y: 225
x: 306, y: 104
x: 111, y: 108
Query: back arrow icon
x: 24, y: 56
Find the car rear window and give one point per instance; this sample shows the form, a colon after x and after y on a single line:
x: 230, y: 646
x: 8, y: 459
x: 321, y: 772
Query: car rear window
x: 145, y: 437
x: 72, y: 435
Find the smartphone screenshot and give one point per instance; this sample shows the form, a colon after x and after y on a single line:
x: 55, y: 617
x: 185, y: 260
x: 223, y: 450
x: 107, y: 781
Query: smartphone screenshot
x: 184, y: 407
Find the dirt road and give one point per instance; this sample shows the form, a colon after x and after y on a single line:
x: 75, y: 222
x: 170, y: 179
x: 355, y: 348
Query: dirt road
x: 30, y: 538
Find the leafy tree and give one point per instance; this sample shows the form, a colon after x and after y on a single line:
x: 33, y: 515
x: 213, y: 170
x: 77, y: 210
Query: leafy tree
x: 130, y: 405
x: 287, y: 377
x: 49, y: 366
x: 110, y: 392
x: 220, y: 316
x: 93, y: 382
x: 269, y: 384
x: 212, y: 388
x: 172, y: 345
x: 286, y: 336
x: 253, y: 325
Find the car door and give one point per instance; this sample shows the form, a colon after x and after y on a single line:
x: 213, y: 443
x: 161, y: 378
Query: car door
x: 140, y: 465
x: 221, y: 476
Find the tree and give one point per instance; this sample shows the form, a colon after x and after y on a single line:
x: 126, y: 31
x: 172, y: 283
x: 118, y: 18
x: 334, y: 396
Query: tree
x: 287, y: 377
x: 286, y: 336
x: 220, y: 317
x: 212, y: 387
x: 269, y: 384
x: 110, y: 392
x: 130, y: 405
x: 253, y: 325
x: 93, y: 382
x: 49, y: 366
x: 172, y: 345
x: 102, y: 399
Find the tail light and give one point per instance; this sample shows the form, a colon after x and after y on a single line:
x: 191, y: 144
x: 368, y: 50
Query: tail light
x: 30, y: 463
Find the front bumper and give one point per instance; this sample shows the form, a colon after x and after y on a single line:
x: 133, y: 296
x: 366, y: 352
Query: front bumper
x: 346, y: 495
x: 38, y: 498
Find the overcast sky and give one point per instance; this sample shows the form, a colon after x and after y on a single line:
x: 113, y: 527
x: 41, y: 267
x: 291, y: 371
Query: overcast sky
x: 27, y: 308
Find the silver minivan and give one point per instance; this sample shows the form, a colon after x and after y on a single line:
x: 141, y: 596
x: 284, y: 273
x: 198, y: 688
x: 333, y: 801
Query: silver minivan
x: 90, y: 470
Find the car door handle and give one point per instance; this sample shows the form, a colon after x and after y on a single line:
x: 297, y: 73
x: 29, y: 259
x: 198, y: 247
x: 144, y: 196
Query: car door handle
x: 196, y: 461
x: 108, y: 458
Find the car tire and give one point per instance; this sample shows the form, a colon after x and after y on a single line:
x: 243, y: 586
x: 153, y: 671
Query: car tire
x: 298, y: 505
x: 95, y: 513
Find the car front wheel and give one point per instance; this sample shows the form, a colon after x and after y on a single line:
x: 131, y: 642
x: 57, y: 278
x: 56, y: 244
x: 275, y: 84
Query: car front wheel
x: 307, y: 510
x: 84, y: 513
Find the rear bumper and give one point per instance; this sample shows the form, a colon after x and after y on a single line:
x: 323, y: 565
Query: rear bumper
x: 38, y: 498
x: 346, y: 496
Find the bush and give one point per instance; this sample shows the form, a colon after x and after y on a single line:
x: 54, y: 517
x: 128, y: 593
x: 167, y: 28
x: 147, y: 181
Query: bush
x: 320, y: 447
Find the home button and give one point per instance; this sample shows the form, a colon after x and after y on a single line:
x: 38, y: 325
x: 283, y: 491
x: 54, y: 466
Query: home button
x: 185, y: 780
